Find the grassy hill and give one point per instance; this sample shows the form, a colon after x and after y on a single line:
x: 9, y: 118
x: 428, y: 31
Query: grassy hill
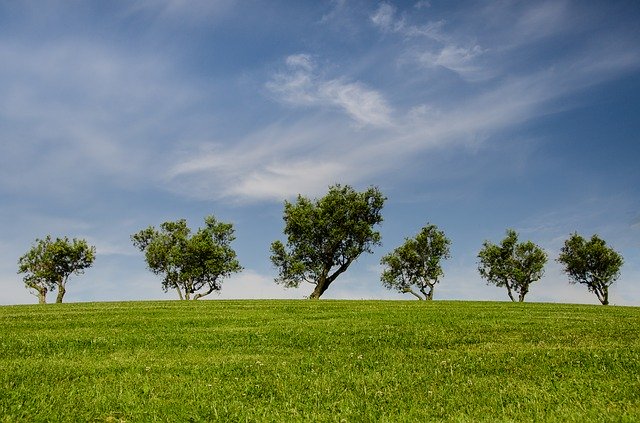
x: 319, y: 360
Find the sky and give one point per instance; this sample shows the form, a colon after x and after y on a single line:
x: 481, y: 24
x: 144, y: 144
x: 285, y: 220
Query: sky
x: 475, y: 116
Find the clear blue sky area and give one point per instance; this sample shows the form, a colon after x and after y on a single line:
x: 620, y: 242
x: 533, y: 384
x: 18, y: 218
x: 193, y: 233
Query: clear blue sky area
x: 476, y: 116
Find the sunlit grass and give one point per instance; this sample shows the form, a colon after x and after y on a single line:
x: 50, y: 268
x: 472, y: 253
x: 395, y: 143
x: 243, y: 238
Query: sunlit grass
x: 319, y: 360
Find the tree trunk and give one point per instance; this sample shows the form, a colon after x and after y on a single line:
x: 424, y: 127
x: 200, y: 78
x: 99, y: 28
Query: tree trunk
x: 61, y: 291
x: 175, y: 285
x: 509, y: 292
x: 42, y: 296
x: 604, y: 295
x: 427, y: 295
x: 430, y: 293
x: 324, y: 281
x: 321, y: 286
x: 521, y: 295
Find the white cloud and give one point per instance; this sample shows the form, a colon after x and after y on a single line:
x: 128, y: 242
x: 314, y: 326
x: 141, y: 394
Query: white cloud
x: 288, y: 179
x: 386, y: 20
x: 272, y: 163
x: 303, y: 61
x: 461, y: 60
x: 384, y: 17
x: 362, y: 104
x: 301, y: 85
x: 305, y: 156
x: 439, y: 49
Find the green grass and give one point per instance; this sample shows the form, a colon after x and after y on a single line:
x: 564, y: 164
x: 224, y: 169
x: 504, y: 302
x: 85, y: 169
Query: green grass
x: 319, y: 360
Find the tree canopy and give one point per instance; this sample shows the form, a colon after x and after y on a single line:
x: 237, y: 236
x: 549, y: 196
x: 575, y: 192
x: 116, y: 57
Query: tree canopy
x: 49, y: 263
x: 326, y: 235
x: 193, y: 265
x: 416, y: 263
x: 511, y: 264
x: 591, y: 263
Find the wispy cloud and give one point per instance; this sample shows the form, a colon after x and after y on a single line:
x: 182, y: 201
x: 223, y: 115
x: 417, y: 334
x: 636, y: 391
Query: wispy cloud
x: 433, y: 47
x: 90, y: 112
x: 301, y: 84
x: 306, y: 155
x: 272, y: 163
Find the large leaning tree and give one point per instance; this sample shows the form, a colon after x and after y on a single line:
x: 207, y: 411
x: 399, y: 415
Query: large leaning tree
x: 591, y: 263
x: 415, y: 265
x: 326, y: 235
x: 192, y: 264
x: 511, y: 264
x: 49, y: 263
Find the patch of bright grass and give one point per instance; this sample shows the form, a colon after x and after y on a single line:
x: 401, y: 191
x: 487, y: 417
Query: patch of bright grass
x: 319, y: 360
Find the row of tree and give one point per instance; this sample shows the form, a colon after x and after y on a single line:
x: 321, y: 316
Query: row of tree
x: 324, y: 236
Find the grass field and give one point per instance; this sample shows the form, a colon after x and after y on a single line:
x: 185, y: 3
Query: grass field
x: 319, y: 360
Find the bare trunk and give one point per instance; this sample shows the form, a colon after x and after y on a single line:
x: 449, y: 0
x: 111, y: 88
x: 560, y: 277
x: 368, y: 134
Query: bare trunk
x: 175, y: 285
x: 321, y: 286
x: 521, y: 295
x: 188, y: 289
x: 509, y: 292
x: 324, y: 281
x: 61, y: 291
x: 603, y: 295
x: 42, y: 296
x: 428, y: 295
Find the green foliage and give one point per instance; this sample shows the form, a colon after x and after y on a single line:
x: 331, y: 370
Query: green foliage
x: 511, y: 264
x: 382, y: 361
x: 416, y: 263
x: 49, y: 263
x: 189, y: 264
x: 326, y: 235
x: 591, y: 263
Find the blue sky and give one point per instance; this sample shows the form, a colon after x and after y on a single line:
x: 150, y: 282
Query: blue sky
x: 476, y: 116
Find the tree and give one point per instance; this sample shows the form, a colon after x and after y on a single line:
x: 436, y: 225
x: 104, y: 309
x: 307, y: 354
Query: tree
x: 511, y: 264
x: 190, y: 264
x: 591, y: 263
x: 48, y: 264
x: 326, y: 235
x: 416, y: 263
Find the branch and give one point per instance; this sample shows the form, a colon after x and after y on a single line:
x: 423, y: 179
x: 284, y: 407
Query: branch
x: 343, y: 267
x: 408, y: 290
x: 212, y: 287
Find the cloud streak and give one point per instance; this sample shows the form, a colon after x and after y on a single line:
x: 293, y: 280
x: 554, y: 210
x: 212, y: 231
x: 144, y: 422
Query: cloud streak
x: 300, y: 86
x: 308, y: 154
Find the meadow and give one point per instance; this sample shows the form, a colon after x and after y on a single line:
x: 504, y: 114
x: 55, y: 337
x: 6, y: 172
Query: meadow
x: 302, y: 360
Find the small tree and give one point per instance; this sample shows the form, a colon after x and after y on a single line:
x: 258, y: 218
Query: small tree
x: 48, y: 264
x: 326, y: 235
x: 189, y: 264
x: 591, y: 263
x: 416, y: 263
x: 511, y: 264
